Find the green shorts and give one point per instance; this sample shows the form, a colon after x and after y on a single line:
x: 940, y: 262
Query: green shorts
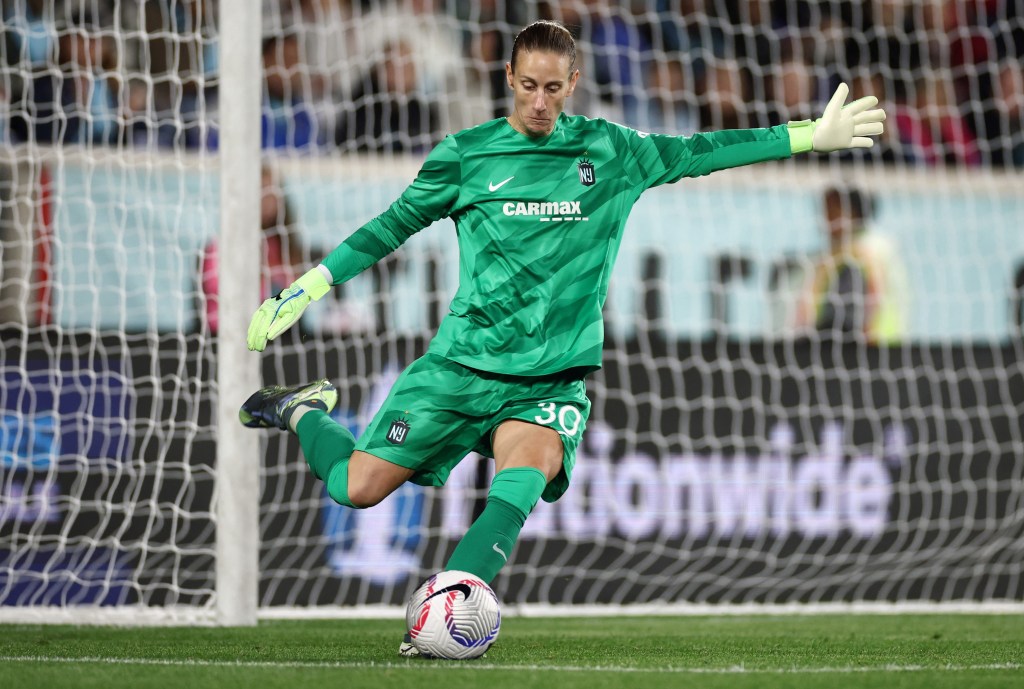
x: 439, y: 411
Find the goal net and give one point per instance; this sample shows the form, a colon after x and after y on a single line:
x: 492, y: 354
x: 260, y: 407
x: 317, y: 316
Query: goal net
x: 813, y: 377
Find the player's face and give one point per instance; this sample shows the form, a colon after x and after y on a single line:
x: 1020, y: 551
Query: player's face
x: 540, y: 84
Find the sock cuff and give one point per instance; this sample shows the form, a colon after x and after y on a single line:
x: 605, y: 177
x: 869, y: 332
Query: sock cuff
x: 520, y: 487
x: 309, y: 419
x: 337, y: 484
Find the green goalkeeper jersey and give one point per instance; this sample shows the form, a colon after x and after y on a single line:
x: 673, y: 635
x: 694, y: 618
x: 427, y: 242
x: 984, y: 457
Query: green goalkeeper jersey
x: 539, y: 223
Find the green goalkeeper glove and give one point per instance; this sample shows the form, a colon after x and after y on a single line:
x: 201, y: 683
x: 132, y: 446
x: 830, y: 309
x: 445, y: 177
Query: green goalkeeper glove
x: 840, y: 127
x: 279, y: 313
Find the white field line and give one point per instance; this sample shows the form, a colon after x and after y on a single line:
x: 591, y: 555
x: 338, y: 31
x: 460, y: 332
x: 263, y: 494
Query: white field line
x: 420, y: 665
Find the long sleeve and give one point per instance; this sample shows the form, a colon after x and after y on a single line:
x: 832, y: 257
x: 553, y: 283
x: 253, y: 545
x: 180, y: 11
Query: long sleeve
x: 662, y: 159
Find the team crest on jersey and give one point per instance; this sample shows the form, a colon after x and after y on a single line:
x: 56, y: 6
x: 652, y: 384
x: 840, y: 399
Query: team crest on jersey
x: 398, y: 432
x: 586, y: 169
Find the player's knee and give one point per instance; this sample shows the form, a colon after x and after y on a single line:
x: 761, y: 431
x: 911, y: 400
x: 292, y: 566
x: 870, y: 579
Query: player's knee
x: 363, y: 494
x: 370, y: 479
x: 356, y: 489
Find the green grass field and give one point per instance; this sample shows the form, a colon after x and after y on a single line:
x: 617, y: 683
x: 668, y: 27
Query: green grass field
x: 929, y: 651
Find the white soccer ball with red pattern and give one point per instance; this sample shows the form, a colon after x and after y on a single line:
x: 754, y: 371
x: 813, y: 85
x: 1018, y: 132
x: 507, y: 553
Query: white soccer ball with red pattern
x: 454, y: 616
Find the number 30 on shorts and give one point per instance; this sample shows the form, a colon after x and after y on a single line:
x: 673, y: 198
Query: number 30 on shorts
x: 567, y: 417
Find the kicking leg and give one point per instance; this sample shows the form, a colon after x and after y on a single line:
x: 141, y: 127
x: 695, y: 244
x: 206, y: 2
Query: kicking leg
x: 527, y: 457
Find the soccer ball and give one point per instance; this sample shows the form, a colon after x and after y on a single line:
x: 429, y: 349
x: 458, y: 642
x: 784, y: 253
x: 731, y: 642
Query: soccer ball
x: 453, y: 615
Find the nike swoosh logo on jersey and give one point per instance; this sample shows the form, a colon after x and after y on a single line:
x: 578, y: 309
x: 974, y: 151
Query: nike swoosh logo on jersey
x: 499, y: 551
x: 495, y: 187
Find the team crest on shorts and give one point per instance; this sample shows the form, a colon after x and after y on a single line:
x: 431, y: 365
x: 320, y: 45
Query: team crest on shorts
x: 586, y: 169
x: 398, y: 432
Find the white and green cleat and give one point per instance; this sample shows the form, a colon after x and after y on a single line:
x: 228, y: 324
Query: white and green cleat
x: 273, y: 406
x: 406, y: 649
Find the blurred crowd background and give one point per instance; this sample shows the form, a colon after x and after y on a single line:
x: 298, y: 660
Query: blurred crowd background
x: 397, y: 75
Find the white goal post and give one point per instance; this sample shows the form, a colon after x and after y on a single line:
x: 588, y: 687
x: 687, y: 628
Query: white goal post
x: 237, y: 492
x: 740, y: 457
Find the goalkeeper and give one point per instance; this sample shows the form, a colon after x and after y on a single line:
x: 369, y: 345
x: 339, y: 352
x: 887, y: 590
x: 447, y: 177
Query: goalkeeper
x: 540, y: 201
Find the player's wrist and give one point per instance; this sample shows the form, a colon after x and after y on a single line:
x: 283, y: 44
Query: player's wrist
x: 801, y: 135
x: 316, y: 282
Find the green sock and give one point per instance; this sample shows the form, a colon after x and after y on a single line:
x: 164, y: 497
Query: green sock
x: 487, y: 545
x: 327, y: 446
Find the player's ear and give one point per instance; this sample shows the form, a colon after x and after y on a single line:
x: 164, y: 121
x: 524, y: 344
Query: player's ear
x: 508, y: 75
x: 573, y: 78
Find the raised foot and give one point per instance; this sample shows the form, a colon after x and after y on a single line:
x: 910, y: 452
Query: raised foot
x: 273, y: 406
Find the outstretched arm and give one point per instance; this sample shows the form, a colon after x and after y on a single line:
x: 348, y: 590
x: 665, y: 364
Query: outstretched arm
x: 663, y: 159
